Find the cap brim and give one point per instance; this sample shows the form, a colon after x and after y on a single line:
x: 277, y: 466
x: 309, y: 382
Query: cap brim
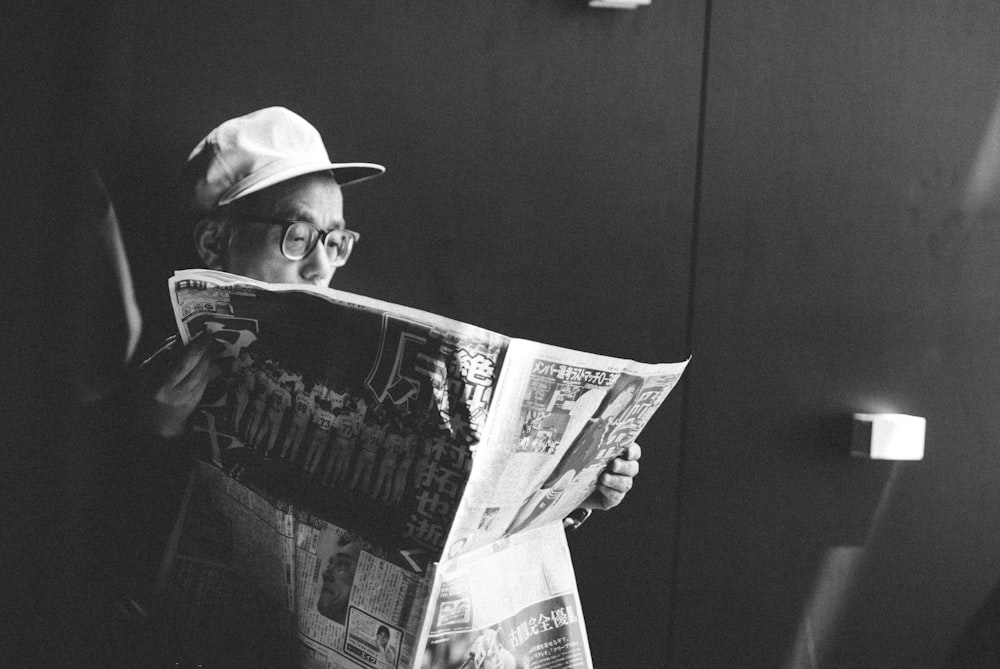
x: 352, y: 173
x: 344, y: 173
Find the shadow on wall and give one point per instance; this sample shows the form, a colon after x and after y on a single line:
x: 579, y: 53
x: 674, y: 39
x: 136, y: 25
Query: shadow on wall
x: 839, y: 570
x: 978, y: 646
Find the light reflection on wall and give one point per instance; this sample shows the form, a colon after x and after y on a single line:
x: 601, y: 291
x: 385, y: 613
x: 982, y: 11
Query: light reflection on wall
x: 983, y: 186
x: 832, y: 591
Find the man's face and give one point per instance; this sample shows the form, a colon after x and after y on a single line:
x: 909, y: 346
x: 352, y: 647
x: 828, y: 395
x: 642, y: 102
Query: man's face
x: 338, y: 578
x: 382, y: 638
x: 619, y: 403
x: 255, y: 247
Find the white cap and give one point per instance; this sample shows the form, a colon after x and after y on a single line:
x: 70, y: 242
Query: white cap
x: 263, y: 148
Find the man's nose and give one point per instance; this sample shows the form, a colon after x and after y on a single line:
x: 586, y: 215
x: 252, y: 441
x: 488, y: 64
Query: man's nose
x: 315, y: 267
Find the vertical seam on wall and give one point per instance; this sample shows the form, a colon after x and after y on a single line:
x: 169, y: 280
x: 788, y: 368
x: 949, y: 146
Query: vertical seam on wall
x: 689, y: 335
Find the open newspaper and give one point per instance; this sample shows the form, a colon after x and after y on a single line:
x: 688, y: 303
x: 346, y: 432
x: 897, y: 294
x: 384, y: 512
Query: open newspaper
x: 378, y: 486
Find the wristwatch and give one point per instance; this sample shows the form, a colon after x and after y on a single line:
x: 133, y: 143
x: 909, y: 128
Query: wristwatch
x: 575, y: 519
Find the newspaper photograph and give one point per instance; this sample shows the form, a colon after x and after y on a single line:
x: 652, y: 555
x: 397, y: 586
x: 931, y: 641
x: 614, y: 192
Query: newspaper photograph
x: 561, y: 417
x: 357, y: 414
x: 355, y: 608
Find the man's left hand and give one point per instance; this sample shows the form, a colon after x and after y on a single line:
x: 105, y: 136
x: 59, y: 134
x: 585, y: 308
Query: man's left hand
x: 616, y: 480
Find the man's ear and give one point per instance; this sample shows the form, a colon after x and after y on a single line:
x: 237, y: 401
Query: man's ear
x: 211, y: 239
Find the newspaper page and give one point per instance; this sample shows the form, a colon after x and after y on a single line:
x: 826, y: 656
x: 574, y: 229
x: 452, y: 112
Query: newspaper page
x: 345, y: 427
x: 561, y: 416
x: 227, y: 581
x: 355, y: 609
x: 358, y: 420
x: 512, y: 604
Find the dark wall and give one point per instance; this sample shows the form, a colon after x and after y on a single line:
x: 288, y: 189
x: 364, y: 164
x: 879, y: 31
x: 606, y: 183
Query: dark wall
x: 824, y: 243
x: 844, y: 265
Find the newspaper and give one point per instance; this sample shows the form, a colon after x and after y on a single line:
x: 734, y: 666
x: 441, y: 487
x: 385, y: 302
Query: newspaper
x: 378, y: 486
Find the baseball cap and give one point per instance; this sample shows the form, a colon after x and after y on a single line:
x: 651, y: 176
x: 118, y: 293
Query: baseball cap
x: 263, y: 148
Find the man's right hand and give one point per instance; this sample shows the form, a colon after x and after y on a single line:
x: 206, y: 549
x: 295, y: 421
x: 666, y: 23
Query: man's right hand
x: 173, y: 382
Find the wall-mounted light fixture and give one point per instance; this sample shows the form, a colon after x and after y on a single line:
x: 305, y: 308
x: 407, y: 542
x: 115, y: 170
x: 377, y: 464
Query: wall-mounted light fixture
x: 888, y: 436
x: 618, y: 4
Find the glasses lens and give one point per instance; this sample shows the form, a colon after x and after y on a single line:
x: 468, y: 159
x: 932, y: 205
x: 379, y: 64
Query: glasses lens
x: 339, y: 244
x: 299, y: 240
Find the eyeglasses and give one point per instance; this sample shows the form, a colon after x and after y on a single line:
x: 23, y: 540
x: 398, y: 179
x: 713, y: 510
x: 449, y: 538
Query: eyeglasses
x: 299, y: 238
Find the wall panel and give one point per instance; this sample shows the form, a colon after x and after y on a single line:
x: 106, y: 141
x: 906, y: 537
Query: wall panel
x: 841, y: 268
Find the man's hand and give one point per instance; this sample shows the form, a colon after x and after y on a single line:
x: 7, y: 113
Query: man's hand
x: 173, y: 382
x: 616, y: 480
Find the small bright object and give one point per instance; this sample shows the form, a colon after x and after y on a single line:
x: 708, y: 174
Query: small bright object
x: 618, y: 4
x: 888, y: 436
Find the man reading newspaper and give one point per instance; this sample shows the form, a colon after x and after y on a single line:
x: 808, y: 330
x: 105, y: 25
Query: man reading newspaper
x: 268, y: 205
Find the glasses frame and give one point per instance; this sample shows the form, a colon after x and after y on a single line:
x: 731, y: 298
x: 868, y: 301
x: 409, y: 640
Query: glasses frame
x: 287, y: 223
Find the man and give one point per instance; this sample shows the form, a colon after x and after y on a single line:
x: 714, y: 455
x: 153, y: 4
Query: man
x: 265, y: 382
x: 345, y: 429
x: 305, y: 407
x: 338, y: 580
x: 278, y: 404
x: 386, y: 653
x: 269, y: 205
x: 411, y: 447
x: 322, y: 424
x: 370, y: 441
x: 392, y: 453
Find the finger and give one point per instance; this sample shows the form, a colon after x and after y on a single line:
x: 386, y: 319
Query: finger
x: 192, y: 356
x: 625, y: 467
x: 633, y: 452
x: 615, y: 482
x: 196, y: 380
x: 607, y: 498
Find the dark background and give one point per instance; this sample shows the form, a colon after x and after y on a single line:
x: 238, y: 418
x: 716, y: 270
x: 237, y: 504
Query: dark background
x: 785, y: 190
